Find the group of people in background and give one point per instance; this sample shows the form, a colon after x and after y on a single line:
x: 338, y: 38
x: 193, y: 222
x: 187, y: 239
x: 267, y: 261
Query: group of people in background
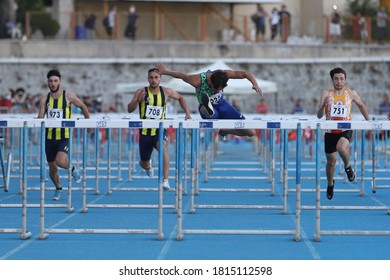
x: 152, y: 100
x: 359, y: 26
x: 130, y: 32
x: 109, y: 23
x: 278, y: 21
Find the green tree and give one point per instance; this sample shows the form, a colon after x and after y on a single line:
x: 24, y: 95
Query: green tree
x: 367, y: 8
x: 39, y: 18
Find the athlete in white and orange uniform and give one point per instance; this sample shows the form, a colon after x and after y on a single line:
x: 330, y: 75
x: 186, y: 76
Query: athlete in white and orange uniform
x: 336, y: 104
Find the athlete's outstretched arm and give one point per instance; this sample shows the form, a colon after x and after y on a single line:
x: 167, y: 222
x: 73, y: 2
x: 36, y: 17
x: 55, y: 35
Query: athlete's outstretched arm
x: 238, y: 74
x: 193, y: 80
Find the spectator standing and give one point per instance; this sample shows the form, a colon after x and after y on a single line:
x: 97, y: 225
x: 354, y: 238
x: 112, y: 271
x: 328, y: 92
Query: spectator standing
x: 363, y: 28
x: 384, y: 106
x: 132, y: 23
x: 262, y: 107
x: 109, y: 22
x: 284, y: 22
x: 298, y: 109
x: 335, y: 25
x: 6, y: 103
x: 259, y: 18
x: 381, y: 24
x: 274, y: 22
x: 9, y: 25
x: 90, y: 26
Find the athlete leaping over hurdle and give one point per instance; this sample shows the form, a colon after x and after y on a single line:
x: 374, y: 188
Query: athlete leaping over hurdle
x: 209, y: 92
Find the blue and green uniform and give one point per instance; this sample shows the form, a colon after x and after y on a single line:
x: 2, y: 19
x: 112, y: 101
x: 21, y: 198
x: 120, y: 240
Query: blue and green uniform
x: 222, y: 108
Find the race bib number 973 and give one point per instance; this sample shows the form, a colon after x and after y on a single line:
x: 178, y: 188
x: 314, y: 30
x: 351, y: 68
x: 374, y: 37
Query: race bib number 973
x: 54, y: 113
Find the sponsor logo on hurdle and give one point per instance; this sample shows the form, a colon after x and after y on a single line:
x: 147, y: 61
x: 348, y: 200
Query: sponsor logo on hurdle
x: 239, y: 125
x: 205, y: 125
x: 3, y: 124
x: 68, y: 124
x: 101, y: 124
x: 376, y: 126
x: 344, y: 125
x: 135, y: 124
x: 273, y: 124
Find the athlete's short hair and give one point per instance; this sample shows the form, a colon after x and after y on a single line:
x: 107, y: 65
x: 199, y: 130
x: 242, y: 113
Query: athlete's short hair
x: 219, y: 79
x: 153, y: 70
x: 53, y: 72
x: 337, y: 70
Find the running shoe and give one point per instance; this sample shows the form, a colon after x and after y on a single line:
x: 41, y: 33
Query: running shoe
x: 150, y: 172
x: 329, y: 191
x: 76, y: 175
x: 166, y: 186
x: 207, y: 104
x: 57, y: 194
x: 350, y: 174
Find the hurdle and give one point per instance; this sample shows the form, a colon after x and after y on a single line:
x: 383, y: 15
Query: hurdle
x: 375, y: 163
x: 354, y: 157
x: 194, y: 125
x: 210, y: 161
x: 44, y: 232
x: 5, y: 170
x: 24, y: 234
x: 355, y: 125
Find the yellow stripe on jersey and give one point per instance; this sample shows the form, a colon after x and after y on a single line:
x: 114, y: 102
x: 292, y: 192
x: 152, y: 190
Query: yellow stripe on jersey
x: 152, y: 100
x: 60, y: 103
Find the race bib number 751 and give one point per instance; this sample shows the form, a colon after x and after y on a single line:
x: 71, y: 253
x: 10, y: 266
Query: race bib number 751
x: 338, y: 111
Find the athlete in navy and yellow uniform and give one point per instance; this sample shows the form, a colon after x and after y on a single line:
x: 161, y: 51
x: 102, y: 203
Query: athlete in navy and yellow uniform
x: 57, y: 105
x: 209, y: 92
x: 151, y: 102
x: 336, y: 104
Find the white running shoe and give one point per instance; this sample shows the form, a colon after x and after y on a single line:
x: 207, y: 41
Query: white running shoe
x: 207, y: 105
x: 150, y: 172
x: 76, y: 175
x: 166, y: 186
x: 57, y: 195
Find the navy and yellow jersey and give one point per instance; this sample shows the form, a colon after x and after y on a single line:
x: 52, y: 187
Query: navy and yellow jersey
x: 152, y: 108
x: 57, y: 109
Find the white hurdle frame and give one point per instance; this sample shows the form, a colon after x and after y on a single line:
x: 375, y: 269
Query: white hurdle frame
x: 23, y: 124
x: 115, y: 124
x: 363, y: 126
x: 235, y: 124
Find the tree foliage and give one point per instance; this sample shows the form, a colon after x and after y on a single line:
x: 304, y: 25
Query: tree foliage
x: 365, y: 7
x: 39, y: 19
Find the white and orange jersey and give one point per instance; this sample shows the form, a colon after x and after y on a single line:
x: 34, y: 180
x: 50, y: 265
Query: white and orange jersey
x: 339, y: 106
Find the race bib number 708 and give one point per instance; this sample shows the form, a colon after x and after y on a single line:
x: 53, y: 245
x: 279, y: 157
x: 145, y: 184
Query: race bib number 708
x: 154, y: 112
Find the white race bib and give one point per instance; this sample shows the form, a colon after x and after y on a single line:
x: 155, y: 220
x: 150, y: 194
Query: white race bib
x: 154, y: 112
x: 338, y: 111
x: 54, y: 113
x: 214, y: 99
